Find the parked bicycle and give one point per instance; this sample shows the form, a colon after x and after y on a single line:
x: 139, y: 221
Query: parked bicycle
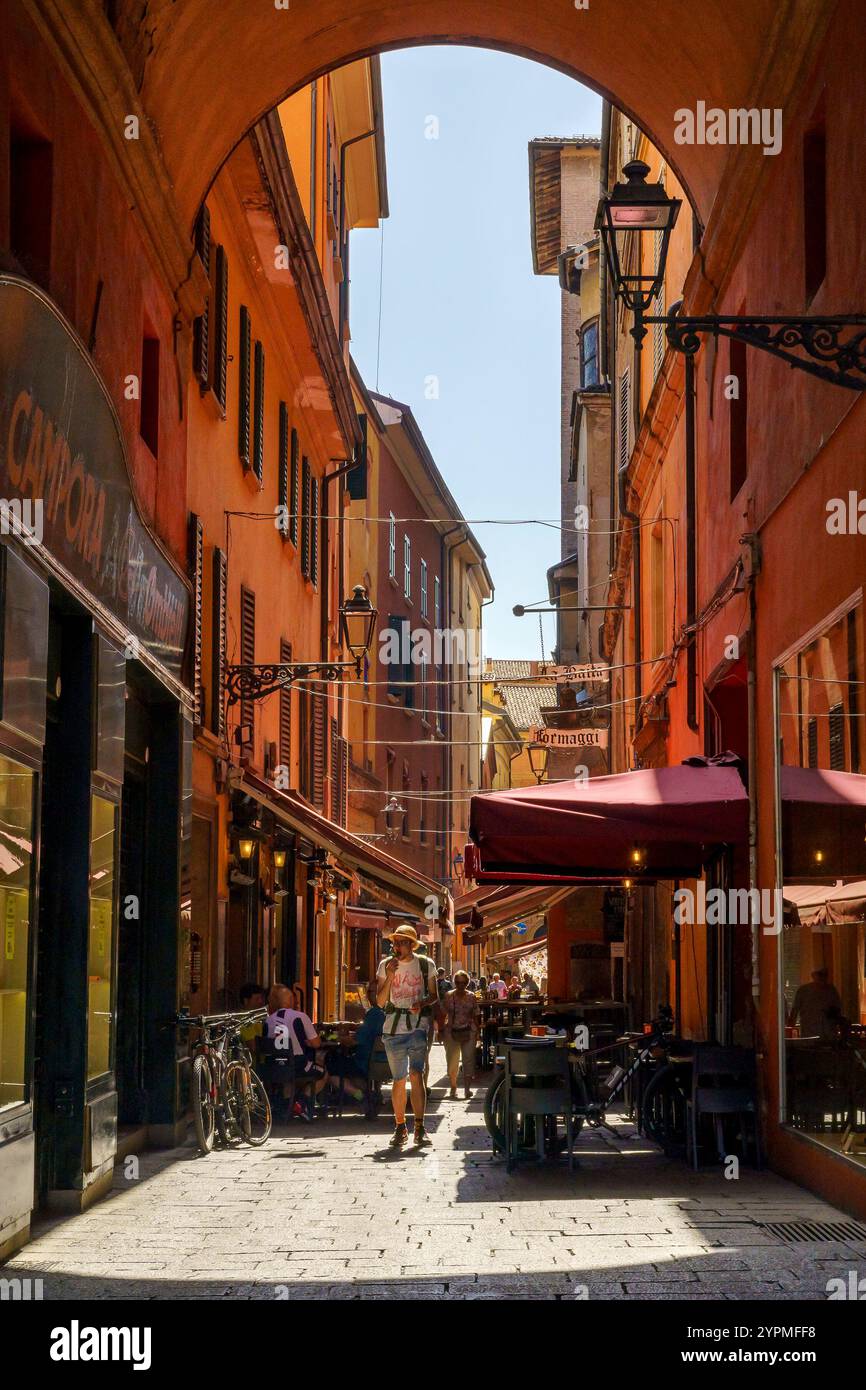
x: 593, y: 1090
x: 228, y: 1097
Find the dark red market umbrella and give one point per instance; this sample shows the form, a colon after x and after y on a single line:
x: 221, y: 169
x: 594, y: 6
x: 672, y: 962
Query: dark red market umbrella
x: 653, y: 823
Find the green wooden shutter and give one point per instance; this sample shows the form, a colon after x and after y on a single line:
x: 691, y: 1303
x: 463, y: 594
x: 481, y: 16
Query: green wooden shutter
x: 259, y: 414
x: 201, y: 326
x: 221, y: 326
x: 244, y: 389
x: 248, y: 646
x: 218, y: 666
x: 305, y: 517
x: 283, y: 481
x: 314, y: 531
x: 295, y: 494
x: 286, y: 710
x: 196, y: 556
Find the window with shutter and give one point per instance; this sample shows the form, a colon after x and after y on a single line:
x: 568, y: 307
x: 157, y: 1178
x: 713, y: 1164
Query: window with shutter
x: 335, y: 771
x: 395, y: 660
x: 408, y: 668
x: 314, y: 531
x: 196, y: 555
x: 658, y: 308
x: 201, y: 326
x: 294, y: 495
x: 248, y: 646
x: 623, y: 451
x: 283, y: 482
x: 344, y: 781
x: 244, y: 389
x: 259, y: 413
x: 305, y: 517
x: 320, y: 748
x: 813, y: 742
x: 286, y: 711
x: 305, y: 741
x: 837, y: 738
x: 221, y: 326
x: 218, y: 628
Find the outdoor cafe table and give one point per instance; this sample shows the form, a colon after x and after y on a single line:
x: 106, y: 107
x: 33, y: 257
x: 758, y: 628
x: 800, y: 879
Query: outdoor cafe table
x: 338, y: 1036
x: 503, y: 1013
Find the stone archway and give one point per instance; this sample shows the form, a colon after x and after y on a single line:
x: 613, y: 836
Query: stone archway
x: 200, y: 74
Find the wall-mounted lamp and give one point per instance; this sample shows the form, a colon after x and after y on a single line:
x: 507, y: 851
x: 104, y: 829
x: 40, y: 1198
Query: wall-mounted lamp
x: 279, y: 858
x: 245, y: 848
x: 819, y: 856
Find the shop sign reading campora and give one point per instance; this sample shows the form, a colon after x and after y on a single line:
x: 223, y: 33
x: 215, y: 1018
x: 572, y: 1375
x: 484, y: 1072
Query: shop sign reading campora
x: 61, y: 445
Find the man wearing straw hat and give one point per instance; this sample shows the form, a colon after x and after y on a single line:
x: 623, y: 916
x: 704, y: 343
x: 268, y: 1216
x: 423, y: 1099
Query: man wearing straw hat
x: 406, y: 990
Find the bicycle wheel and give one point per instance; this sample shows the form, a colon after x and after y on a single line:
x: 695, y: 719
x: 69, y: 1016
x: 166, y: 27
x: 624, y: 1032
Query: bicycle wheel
x: 664, y: 1108
x: 203, y: 1103
x: 494, y: 1110
x: 252, y: 1109
x: 227, y: 1112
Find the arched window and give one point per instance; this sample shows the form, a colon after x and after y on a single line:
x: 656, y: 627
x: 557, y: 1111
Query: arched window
x: 589, y: 355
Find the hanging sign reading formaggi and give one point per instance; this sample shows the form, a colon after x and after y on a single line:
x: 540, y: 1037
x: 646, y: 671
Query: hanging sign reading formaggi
x: 64, y: 475
x: 568, y: 738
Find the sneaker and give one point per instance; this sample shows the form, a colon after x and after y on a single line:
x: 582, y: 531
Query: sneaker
x: 400, y: 1137
x: 452, y: 1094
x: 421, y: 1135
x: 467, y: 1094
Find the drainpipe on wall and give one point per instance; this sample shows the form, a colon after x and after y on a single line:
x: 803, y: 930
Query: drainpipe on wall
x: 754, y: 565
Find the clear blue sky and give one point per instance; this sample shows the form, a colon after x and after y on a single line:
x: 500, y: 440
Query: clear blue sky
x: 460, y: 301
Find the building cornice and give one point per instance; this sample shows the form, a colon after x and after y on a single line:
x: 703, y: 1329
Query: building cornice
x: 90, y: 58
x: 270, y: 148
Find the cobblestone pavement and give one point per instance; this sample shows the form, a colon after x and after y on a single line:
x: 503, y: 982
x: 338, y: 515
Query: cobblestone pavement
x: 327, y: 1211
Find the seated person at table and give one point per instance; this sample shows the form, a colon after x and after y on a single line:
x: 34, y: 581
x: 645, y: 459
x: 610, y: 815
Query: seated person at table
x: 514, y: 987
x: 289, y: 1027
x: 497, y: 989
x: 354, y: 1064
x: 530, y: 988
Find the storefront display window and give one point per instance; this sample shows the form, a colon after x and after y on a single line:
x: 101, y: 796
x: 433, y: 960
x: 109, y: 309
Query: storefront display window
x: 821, y: 695
x: 100, y: 937
x: 16, y: 858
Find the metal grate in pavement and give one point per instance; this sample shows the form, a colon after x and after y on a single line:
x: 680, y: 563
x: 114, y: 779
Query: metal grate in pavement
x: 793, y: 1231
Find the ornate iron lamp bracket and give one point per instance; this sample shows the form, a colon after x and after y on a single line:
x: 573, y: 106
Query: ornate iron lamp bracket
x: 255, y: 682
x: 834, y: 351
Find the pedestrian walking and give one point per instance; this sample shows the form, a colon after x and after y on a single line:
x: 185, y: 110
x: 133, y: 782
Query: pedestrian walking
x: 462, y: 1015
x: 407, y: 992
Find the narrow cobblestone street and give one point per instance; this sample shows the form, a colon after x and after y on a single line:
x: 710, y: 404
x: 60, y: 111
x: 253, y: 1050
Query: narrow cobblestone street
x: 327, y: 1211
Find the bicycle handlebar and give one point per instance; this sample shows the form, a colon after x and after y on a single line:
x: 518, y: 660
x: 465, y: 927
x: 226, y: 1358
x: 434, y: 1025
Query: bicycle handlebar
x: 185, y: 1020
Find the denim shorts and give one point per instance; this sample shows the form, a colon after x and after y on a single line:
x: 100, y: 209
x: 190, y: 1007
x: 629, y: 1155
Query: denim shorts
x: 406, y: 1051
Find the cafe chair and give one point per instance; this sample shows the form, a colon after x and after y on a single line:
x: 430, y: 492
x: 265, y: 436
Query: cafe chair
x: 378, y: 1075
x: 276, y: 1067
x: 724, y: 1083
x: 538, y: 1084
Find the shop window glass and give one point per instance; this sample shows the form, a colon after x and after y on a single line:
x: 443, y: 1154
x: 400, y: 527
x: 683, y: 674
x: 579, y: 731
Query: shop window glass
x: 100, y: 934
x: 822, y: 944
x: 16, y: 857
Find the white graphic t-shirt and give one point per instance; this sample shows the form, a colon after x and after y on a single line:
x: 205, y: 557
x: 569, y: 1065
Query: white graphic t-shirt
x: 407, y: 990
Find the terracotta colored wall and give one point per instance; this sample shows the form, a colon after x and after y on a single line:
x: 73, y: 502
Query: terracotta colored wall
x: 95, y: 242
x: 399, y: 728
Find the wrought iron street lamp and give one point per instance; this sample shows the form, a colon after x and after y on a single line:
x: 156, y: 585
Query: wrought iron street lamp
x: 539, y: 755
x: 358, y: 623
x: 826, y: 346
x: 357, y: 626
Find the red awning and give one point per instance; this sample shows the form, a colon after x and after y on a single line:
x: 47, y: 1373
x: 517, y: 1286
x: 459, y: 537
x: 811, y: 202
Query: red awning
x: 674, y: 817
x: 398, y: 885
x: 823, y: 813
x: 502, y: 906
